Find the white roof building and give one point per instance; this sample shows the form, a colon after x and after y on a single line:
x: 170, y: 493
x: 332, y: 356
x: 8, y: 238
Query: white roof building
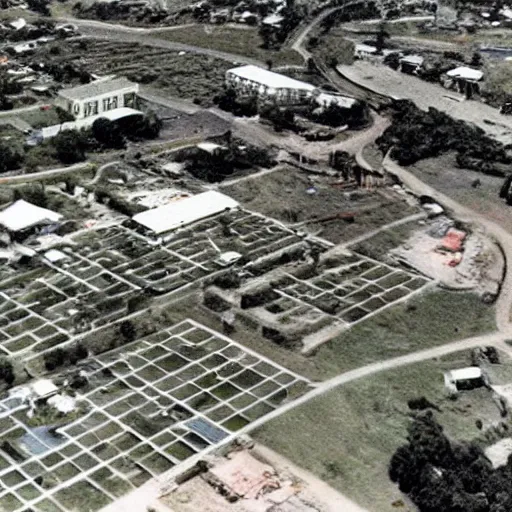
x: 43, y: 388
x: 23, y: 215
x: 466, y: 73
x: 112, y: 115
x: 98, y: 97
x: 185, y: 211
x: 325, y: 99
x: 469, y: 373
x: 253, y: 80
x: 412, y: 60
x: 274, y: 20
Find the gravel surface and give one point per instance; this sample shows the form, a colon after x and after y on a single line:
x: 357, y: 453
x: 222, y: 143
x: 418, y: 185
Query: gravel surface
x: 399, y: 85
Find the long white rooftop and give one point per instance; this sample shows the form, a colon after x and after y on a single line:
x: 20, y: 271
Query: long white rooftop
x: 269, y: 78
x: 466, y: 73
x: 22, y: 215
x: 182, y: 212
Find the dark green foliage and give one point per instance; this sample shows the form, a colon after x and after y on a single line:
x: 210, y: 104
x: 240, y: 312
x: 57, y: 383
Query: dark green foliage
x: 128, y: 331
x: 70, y: 146
x: 281, y: 118
x: 356, y: 116
x: 415, y: 135
x: 54, y: 359
x: 229, y: 102
x: 11, y: 155
x: 107, y: 133
x: 440, y: 475
x: 6, y: 371
x: 39, y: 6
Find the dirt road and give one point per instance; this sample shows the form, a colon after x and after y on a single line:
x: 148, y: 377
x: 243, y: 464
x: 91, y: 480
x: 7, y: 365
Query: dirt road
x: 504, y: 239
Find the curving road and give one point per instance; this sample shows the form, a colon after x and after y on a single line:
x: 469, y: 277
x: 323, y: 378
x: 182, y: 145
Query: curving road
x: 503, y: 237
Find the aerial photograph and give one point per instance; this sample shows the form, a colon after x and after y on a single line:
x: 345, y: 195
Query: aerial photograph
x: 255, y: 256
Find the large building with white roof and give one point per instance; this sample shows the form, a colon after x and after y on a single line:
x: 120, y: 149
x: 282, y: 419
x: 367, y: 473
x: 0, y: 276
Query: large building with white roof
x: 266, y: 85
x: 21, y: 216
x: 183, y: 212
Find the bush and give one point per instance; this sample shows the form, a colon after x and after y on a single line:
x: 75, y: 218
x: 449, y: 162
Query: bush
x: 11, y: 156
x: 415, y: 135
x: 70, y: 146
x: 107, y: 133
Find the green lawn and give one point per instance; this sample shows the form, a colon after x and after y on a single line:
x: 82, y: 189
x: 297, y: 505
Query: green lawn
x: 425, y: 321
x: 428, y: 320
x: 242, y: 41
x: 363, y: 422
x: 38, y: 118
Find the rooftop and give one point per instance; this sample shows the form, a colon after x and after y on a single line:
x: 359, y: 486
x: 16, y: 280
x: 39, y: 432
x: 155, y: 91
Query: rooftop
x: 96, y: 88
x: 269, y: 78
x: 184, y: 211
x: 22, y: 215
x: 465, y: 72
x: 472, y: 372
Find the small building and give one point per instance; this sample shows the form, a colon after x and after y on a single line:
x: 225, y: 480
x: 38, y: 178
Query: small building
x: 43, y: 389
x: 112, y: 115
x: 22, y: 216
x: 363, y: 51
x: 98, y: 97
x: 464, y: 379
x: 183, y: 212
x: 268, y: 86
x: 211, y: 148
x: 273, y: 20
x: 466, y: 74
x: 411, y: 64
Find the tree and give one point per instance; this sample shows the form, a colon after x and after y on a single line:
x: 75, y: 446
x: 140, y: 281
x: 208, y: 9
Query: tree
x: 6, y: 371
x: 128, y: 331
x: 380, y: 40
x: 11, y: 156
x: 70, y: 146
x: 40, y: 6
x: 107, y: 133
x: 476, y: 60
x: 54, y: 359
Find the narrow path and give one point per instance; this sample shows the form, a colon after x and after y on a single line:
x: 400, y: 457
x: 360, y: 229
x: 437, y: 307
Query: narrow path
x: 386, y: 227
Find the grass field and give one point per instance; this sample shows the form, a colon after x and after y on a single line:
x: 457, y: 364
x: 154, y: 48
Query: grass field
x: 363, y: 423
x: 425, y: 321
x: 238, y: 40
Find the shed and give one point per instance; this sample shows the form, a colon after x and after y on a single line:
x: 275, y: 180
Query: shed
x: 465, y: 73
x: 43, y: 388
x: 185, y: 211
x: 464, y: 378
x: 23, y: 215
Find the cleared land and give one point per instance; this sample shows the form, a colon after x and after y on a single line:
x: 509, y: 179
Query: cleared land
x: 231, y: 39
x: 371, y: 209
x: 365, y: 421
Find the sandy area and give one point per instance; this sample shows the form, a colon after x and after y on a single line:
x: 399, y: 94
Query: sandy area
x: 300, y: 492
x: 481, y: 266
x: 499, y: 452
x: 385, y: 80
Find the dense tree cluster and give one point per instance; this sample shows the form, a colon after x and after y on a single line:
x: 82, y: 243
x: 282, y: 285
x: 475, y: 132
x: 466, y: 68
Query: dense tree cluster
x: 61, y: 356
x: 444, y: 476
x: 415, y: 135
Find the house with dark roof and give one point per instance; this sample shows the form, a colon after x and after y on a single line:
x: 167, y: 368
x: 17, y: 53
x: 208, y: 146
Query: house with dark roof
x: 98, y: 97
